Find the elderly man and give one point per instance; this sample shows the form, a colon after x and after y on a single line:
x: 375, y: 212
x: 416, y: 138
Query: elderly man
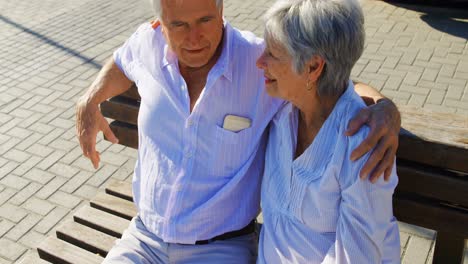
x: 202, y: 135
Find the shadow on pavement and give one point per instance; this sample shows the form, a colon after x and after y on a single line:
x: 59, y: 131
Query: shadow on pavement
x: 52, y: 42
x: 450, y: 17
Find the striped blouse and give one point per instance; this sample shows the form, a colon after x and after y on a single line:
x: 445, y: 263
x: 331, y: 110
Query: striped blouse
x: 316, y: 208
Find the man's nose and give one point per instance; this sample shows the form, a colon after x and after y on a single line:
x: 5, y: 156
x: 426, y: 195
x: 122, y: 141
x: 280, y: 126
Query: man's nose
x: 194, y: 35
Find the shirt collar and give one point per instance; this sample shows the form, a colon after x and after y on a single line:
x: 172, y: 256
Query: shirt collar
x: 224, y: 61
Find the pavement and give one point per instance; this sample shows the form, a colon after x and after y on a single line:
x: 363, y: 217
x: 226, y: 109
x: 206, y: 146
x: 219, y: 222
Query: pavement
x: 51, y: 50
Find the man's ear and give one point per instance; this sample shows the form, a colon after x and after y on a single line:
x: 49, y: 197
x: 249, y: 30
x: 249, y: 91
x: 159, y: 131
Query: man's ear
x: 315, y: 68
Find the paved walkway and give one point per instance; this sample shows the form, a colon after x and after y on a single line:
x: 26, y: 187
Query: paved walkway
x: 51, y: 50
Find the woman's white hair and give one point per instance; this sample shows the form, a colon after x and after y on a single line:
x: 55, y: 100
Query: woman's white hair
x: 331, y: 29
x: 157, y: 6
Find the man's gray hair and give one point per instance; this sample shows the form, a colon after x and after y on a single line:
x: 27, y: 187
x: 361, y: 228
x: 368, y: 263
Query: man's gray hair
x: 331, y: 29
x: 157, y: 6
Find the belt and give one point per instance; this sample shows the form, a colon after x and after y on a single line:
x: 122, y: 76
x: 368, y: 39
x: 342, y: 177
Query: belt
x: 248, y: 229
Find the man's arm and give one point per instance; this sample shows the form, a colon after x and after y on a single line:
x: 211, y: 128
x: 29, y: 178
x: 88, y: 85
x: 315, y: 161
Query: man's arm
x: 383, y: 118
x: 111, y: 81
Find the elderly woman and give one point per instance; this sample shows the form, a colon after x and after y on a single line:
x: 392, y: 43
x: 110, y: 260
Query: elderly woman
x: 316, y: 208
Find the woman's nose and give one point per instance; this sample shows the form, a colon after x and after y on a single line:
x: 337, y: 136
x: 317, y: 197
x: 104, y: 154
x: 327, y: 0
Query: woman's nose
x: 261, y: 62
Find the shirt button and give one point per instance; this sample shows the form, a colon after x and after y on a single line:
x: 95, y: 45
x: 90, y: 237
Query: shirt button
x: 190, y: 123
x: 188, y: 154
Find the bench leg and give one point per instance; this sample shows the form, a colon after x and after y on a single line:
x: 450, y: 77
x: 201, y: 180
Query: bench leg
x: 449, y: 248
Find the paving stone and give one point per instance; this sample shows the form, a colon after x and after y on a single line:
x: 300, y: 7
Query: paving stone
x: 3, y: 161
x: 440, y: 108
x: 417, y: 250
x: 429, y: 74
x: 12, y: 105
x: 414, y: 89
x: 51, y: 159
x: 63, y: 170
x: 7, y: 168
x: 30, y: 120
x: 102, y: 175
x: 396, y: 94
x: 40, y: 150
x: 12, y: 212
x: 114, y: 159
x: 64, y: 199
x: 19, y: 132
x: 14, y: 182
x: 38, y: 206
x: 6, y: 194
x: 417, y: 100
x: 32, y: 239
x: 433, y: 85
x: 456, y: 104
x: 72, y: 156
x: 5, y: 226
x: 86, y: 192
x: 16, y: 155
x: 447, y: 70
x: 436, y: 97
x: 25, y: 193
x: 32, y: 101
x: 41, y: 128
x: 23, y: 227
x: 39, y: 176
x: 10, y: 250
x: 20, y: 112
x: 62, y: 144
x: 50, y: 220
x: 10, y: 124
x: 129, y: 152
x: 53, y: 135
x: 77, y: 181
x: 51, y: 115
x: 51, y: 187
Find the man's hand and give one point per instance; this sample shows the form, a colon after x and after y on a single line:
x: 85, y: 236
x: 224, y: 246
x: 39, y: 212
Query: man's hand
x: 89, y: 121
x: 384, y: 121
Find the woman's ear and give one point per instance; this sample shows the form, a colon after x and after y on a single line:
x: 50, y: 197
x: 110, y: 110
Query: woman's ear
x: 315, y: 68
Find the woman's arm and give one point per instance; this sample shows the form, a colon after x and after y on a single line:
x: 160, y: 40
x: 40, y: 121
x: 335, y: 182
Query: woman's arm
x: 383, y: 118
x: 366, y: 230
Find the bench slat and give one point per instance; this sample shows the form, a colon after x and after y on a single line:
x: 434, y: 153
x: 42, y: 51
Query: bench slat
x: 102, y: 221
x: 132, y: 93
x: 58, y: 251
x: 433, y: 138
x: 120, y: 189
x: 86, y: 238
x: 432, y: 182
x: 114, y: 205
x: 126, y: 133
x: 121, y: 109
x: 448, y: 248
x: 430, y: 214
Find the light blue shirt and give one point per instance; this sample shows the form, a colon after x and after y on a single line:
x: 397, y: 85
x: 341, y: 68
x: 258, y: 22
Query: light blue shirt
x: 194, y: 179
x: 316, y: 209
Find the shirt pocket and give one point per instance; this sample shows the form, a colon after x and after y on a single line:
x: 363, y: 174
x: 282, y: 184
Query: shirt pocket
x: 232, y: 150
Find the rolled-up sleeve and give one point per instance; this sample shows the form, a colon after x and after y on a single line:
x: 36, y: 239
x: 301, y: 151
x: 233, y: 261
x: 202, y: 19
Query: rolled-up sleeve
x: 366, y: 215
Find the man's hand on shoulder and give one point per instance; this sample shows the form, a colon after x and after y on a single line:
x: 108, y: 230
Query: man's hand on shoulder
x: 384, y: 121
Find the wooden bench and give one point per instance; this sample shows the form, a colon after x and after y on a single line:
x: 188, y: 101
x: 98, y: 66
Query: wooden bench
x: 432, y: 192
x: 88, y: 237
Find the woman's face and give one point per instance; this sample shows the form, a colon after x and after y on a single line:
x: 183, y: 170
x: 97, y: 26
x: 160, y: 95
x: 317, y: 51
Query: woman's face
x: 280, y: 79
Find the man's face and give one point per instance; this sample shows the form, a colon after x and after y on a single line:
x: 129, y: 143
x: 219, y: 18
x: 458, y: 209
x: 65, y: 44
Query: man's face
x: 193, y: 29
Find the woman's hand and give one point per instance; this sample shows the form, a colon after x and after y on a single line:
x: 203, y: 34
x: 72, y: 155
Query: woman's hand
x: 384, y: 121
